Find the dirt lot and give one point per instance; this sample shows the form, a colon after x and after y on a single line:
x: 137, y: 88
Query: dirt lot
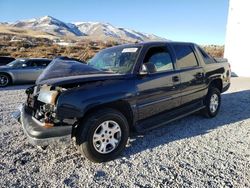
x: 192, y: 152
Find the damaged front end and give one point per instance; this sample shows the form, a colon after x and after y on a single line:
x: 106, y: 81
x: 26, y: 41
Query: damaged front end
x: 38, y: 117
x: 41, y: 101
x: 45, y: 116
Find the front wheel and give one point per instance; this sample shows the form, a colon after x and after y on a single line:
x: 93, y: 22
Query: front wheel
x: 103, y: 135
x: 212, y: 102
x: 4, y: 80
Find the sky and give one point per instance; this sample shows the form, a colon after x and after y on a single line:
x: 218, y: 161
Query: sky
x: 202, y: 22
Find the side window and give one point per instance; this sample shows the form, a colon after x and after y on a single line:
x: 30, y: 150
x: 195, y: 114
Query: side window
x: 185, y: 56
x: 31, y: 63
x: 43, y: 63
x: 38, y: 63
x: 47, y: 63
x: 158, y: 59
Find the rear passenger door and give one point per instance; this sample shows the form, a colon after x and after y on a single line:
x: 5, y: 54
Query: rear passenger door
x: 193, y: 85
x: 158, y: 90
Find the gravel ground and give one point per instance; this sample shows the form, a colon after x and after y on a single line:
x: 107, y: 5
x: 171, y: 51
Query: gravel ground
x: 192, y: 152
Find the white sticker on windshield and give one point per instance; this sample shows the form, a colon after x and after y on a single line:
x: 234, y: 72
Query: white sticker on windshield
x: 130, y: 50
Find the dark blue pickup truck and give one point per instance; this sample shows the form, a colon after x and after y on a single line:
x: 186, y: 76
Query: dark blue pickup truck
x: 133, y: 87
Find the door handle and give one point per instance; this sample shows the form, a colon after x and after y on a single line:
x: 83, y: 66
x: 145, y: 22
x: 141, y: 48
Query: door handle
x: 199, y: 75
x: 175, y: 78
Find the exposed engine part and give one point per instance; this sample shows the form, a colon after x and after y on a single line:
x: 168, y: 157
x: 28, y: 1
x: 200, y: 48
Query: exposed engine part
x: 46, y: 114
x: 42, y: 100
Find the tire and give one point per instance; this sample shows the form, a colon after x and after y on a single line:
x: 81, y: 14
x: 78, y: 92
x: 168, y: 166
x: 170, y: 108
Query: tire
x: 212, y: 102
x: 94, y: 137
x: 5, y: 80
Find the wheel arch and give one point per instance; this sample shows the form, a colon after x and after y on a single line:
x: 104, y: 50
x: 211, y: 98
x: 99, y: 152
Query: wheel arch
x: 217, y: 83
x: 120, y: 105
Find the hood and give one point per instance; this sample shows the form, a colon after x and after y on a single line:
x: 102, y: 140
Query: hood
x: 62, y: 72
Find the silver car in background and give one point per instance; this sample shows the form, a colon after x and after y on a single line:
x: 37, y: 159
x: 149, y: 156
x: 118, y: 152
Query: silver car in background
x: 22, y: 71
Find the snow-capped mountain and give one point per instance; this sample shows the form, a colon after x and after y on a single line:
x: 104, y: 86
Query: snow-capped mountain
x: 98, y: 29
x: 50, y: 25
x: 95, y: 30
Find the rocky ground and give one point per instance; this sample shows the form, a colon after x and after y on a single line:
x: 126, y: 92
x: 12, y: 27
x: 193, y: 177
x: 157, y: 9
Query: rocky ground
x: 192, y: 152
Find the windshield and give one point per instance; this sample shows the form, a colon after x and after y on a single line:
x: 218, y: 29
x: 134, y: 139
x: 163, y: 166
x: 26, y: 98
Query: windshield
x: 116, y: 60
x: 16, y: 63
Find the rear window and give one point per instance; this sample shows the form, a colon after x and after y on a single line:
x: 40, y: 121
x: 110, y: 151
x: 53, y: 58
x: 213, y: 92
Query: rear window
x: 185, y: 56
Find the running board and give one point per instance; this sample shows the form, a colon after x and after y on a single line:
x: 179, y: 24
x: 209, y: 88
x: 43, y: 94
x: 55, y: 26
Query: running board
x: 167, y: 117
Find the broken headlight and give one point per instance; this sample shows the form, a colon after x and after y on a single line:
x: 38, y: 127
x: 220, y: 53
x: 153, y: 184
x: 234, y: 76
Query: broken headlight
x: 48, y: 97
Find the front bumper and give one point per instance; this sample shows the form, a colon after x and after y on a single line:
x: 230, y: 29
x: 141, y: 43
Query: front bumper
x: 42, y: 136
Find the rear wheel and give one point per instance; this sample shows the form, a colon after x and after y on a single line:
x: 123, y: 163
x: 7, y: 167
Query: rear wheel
x: 212, y: 102
x: 103, y: 135
x: 4, y: 80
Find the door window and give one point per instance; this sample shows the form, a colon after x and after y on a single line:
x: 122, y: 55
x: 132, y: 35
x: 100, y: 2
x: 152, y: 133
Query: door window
x: 158, y: 59
x: 38, y: 63
x: 43, y: 63
x: 185, y: 56
x: 32, y: 63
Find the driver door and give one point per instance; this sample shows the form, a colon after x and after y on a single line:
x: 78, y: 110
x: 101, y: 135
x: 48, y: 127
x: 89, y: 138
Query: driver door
x: 158, y: 91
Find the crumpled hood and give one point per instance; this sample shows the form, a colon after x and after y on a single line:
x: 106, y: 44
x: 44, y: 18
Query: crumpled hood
x: 61, y: 72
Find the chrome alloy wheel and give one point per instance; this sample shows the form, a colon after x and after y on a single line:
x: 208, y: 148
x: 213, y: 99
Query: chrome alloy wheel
x: 107, y: 137
x: 4, y: 80
x: 214, y: 103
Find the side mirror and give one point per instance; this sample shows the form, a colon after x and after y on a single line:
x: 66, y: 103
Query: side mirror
x: 144, y: 70
x: 148, y: 68
x: 24, y: 65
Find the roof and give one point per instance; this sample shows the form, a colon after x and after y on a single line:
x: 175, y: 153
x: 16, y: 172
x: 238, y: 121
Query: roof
x: 152, y: 43
x: 35, y: 59
x: 163, y: 42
